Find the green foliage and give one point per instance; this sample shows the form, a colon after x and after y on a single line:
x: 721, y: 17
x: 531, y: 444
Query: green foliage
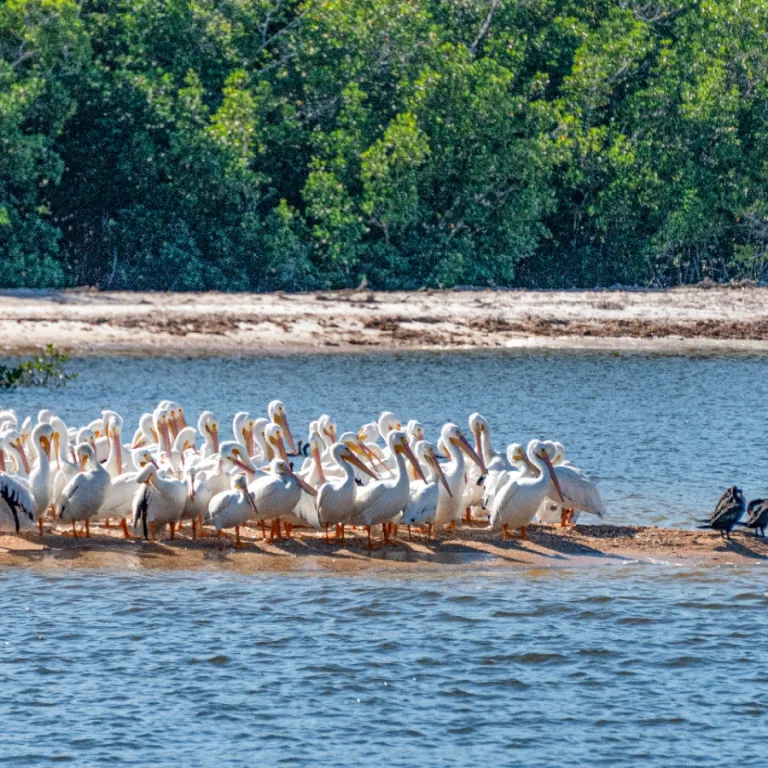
x: 302, y: 144
x: 43, y: 370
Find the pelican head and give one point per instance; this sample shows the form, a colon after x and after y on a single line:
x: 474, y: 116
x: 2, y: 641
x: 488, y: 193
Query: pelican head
x: 387, y: 423
x: 347, y: 449
x: 369, y: 432
x: 414, y: 430
x: 42, y: 438
x: 44, y: 416
x: 283, y: 469
x: 276, y: 411
x: 146, y: 474
x: 86, y: 435
x: 478, y: 424
x: 426, y: 453
x: 398, y: 443
x: 233, y: 452
x: 142, y: 457
x: 208, y: 424
x: 85, y: 453
x: 452, y: 435
x: 540, y: 450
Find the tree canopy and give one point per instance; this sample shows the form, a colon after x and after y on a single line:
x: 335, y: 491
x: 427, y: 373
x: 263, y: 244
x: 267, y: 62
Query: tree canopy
x: 276, y: 144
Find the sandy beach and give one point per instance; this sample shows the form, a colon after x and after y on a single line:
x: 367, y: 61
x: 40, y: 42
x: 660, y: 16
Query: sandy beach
x: 475, y: 546
x: 87, y: 322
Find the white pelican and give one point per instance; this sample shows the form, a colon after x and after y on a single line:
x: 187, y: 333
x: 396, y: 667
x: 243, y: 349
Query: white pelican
x: 313, y: 472
x: 86, y: 435
x: 160, y: 420
x: 15, y: 442
x: 8, y: 418
x: 208, y: 427
x: 262, y: 452
x: 276, y: 411
x: 424, y: 496
x: 383, y: 501
x: 231, y: 509
x: 368, y: 435
x: 449, y: 507
x: 157, y: 503
x: 113, y: 429
x: 177, y: 422
x: 336, y: 498
x: 84, y: 494
x: 515, y: 505
x: 580, y: 493
x: 40, y: 476
x: 198, y: 498
x: 122, y: 489
x: 183, y: 443
x: 242, y: 429
x: 145, y: 435
x: 277, y: 493
x: 517, y: 463
x: 3, y: 449
x: 17, y: 507
x: 388, y: 422
x: 473, y: 491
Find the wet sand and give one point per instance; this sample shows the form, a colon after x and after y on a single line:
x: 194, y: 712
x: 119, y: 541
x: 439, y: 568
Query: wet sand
x: 94, y: 323
x: 475, y: 546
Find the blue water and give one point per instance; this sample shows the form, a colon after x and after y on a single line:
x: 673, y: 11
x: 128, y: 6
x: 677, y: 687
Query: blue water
x: 642, y: 665
x: 663, y: 436
x: 628, y: 665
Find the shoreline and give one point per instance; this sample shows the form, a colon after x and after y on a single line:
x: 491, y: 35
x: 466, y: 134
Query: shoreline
x: 548, y: 547
x: 91, y: 323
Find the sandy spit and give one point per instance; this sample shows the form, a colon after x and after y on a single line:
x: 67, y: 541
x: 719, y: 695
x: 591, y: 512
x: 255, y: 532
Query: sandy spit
x: 475, y: 546
x: 101, y: 323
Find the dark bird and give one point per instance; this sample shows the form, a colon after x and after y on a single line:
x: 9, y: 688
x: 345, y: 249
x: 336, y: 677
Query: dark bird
x: 757, y: 516
x: 728, y: 512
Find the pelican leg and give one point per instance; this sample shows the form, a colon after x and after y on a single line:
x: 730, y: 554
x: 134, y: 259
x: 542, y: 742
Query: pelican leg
x: 180, y: 526
x: 40, y: 525
x: 571, y: 513
x: 87, y: 528
x: 153, y: 530
x: 173, y: 530
x: 263, y: 529
x: 107, y: 524
x: 370, y: 542
x: 239, y: 544
x: 385, y: 529
x: 74, y: 530
x: 53, y: 512
x: 453, y: 528
x: 126, y: 533
x: 429, y: 531
x: 524, y: 533
x: 468, y: 515
x: 505, y: 532
x: 393, y: 530
x: 194, y: 529
x: 288, y: 527
x: 563, y: 518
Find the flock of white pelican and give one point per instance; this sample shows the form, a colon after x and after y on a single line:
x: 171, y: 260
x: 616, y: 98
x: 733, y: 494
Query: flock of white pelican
x: 379, y: 477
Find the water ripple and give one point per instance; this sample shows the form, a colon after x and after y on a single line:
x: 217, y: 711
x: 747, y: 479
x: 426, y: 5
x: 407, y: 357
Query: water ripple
x: 310, y: 670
